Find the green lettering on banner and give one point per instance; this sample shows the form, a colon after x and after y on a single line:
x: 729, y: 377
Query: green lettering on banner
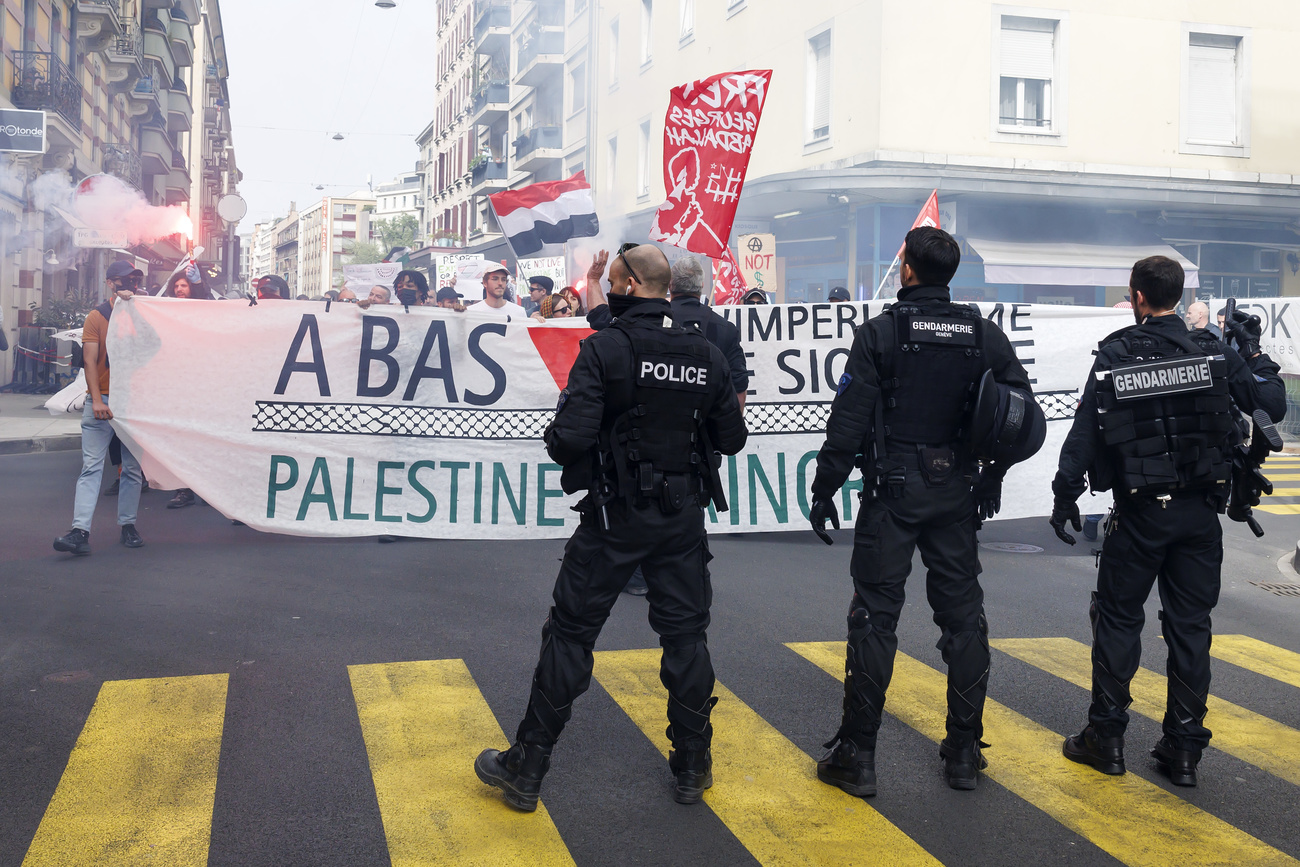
x: 501, y: 480
x: 348, y: 514
x: 780, y: 506
x: 455, y: 467
x: 713, y: 513
x: 274, y: 485
x: 423, y: 491
x: 478, y: 493
x: 733, y: 489
x: 801, y: 481
x: 849, y: 487
x: 319, y: 470
x: 544, y: 493
x: 381, y: 489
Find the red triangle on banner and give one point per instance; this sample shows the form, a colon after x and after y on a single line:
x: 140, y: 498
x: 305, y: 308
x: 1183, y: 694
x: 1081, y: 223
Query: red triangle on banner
x: 558, y: 347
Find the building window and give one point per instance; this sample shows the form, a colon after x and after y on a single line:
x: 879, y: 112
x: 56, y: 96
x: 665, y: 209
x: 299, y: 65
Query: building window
x: 643, y: 160
x: 613, y: 53
x: 819, y: 86
x: 647, y: 29
x: 579, y: 5
x: 687, y: 24
x: 611, y: 165
x: 578, y: 82
x: 1026, y: 71
x: 1216, y: 91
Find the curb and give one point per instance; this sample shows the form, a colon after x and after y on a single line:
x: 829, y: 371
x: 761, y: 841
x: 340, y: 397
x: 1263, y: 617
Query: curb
x: 67, y: 442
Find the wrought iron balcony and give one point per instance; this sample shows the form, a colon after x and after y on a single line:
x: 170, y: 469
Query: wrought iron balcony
x: 110, y: 10
x: 127, y: 47
x: 122, y: 161
x: 42, y: 81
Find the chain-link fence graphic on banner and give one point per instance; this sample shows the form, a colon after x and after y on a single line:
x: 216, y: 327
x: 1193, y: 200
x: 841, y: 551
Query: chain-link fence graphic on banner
x: 529, y: 424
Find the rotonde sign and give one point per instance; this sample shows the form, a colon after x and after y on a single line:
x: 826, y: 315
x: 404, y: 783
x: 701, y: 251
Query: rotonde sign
x: 22, y: 131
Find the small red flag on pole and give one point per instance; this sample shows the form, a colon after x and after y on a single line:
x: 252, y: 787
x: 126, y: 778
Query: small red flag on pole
x: 929, y: 216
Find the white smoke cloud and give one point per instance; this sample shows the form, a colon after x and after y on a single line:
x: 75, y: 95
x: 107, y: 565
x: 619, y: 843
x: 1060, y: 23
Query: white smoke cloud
x: 108, y: 203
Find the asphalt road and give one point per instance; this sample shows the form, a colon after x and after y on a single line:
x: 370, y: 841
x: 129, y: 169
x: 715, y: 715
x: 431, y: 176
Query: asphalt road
x: 285, y: 617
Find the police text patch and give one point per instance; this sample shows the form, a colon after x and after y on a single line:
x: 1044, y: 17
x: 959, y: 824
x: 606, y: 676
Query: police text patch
x: 671, y: 373
x: 1158, y: 378
x: 938, y: 329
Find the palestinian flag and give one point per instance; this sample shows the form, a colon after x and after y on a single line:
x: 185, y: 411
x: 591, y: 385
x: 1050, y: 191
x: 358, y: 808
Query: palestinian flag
x: 547, y: 213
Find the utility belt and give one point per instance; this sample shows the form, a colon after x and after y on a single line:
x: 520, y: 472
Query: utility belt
x: 938, y: 466
x: 671, y: 492
x: 1215, y: 496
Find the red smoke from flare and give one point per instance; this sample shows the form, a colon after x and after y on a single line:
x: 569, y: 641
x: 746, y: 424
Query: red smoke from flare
x: 108, y: 203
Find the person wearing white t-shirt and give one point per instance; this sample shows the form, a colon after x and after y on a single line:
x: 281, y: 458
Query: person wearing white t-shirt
x: 494, y: 295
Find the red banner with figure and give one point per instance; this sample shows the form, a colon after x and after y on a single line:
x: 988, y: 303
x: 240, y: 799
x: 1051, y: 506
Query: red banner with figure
x: 728, y: 284
x: 708, y: 137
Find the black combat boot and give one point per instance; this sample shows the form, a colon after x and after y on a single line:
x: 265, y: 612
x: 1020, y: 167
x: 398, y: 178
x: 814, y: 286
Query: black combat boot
x: 962, y: 764
x: 693, y: 769
x: 850, y: 767
x: 518, y: 772
x: 75, y: 541
x: 1180, y: 765
x: 1087, y: 748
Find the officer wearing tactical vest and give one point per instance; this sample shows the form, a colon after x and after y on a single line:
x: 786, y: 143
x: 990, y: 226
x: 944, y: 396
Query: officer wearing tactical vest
x: 1156, y: 425
x: 903, y: 413
x: 647, y: 405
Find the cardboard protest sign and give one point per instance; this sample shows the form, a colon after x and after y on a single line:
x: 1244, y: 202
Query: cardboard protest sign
x: 545, y: 266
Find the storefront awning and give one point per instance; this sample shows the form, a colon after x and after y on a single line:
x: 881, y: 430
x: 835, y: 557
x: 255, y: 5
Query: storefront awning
x: 1052, y: 263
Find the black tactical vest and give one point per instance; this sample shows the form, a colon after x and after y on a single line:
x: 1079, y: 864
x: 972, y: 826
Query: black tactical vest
x: 937, y: 359
x: 672, y: 381
x: 1164, y: 412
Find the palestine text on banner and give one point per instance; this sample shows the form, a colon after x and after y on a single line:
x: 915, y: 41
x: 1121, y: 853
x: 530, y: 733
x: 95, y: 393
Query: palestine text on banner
x: 708, y: 137
x: 551, y: 212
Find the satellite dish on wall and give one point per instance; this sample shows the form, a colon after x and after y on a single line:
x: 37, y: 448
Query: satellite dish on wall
x: 232, y: 208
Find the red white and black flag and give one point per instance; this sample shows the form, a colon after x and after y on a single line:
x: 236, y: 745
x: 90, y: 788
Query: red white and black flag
x: 551, y: 212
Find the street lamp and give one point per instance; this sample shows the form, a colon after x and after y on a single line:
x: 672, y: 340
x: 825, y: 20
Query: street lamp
x: 338, y: 136
x: 385, y: 4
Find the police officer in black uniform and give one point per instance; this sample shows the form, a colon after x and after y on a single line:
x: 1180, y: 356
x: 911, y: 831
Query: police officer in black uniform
x: 648, y: 404
x: 901, y: 411
x: 1155, y: 425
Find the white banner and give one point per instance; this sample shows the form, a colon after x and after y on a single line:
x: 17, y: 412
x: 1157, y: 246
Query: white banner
x: 429, y: 422
x: 546, y: 266
x: 448, y: 270
x: 359, y: 278
x: 1280, y: 320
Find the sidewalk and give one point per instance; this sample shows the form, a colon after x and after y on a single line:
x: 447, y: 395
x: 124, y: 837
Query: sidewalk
x: 27, y: 426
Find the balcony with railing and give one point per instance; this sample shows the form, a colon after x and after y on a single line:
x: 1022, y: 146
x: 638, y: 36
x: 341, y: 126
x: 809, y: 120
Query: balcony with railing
x: 491, y: 101
x: 180, y: 112
x: 538, y: 147
x: 181, y: 34
x: 124, y: 162
x: 42, y: 81
x: 124, y: 56
x: 94, y: 17
x: 156, y: 151
x: 488, y: 175
x: 491, y: 25
x: 541, y: 57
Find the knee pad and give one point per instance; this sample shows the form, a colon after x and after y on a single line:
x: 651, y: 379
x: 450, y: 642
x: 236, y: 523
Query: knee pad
x: 557, y: 626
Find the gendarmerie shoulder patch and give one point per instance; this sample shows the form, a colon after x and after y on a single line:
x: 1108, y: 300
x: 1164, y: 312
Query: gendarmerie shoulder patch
x: 944, y: 330
x: 1158, y: 378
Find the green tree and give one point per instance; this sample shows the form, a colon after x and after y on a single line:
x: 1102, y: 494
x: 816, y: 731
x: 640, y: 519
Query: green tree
x: 365, y: 253
x: 401, y: 231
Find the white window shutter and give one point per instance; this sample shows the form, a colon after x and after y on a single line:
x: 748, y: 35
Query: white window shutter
x: 1027, y: 54
x: 821, y: 116
x: 1212, y: 94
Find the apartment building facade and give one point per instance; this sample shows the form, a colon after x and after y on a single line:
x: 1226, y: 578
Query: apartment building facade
x: 285, y: 243
x: 326, y: 232
x: 1053, y: 132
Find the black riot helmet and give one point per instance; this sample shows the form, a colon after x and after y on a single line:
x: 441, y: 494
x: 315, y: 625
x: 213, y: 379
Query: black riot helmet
x: 1007, y: 425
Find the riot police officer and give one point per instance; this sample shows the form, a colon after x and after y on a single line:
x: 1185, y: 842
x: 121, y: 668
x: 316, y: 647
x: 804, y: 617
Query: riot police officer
x: 902, y: 411
x: 1155, y: 425
x: 648, y: 404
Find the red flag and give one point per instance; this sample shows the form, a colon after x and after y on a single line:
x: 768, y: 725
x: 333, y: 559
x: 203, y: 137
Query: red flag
x: 728, y: 285
x: 708, y: 137
x: 929, y: 216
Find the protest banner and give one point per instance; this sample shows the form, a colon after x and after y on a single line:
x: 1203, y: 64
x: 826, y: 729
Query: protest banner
x: 448, y: 269
x: 728, y: 284
x: 543, y: 266
x: 429, y: 422
x: 359, y: 278
x: 1280, y: 320
x: 708, y: 138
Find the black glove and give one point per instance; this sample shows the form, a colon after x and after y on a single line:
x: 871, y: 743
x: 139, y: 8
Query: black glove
x: 820, y: 511
x: 988, y: 493
x: 1245, y: 329
x: 1065, y: 510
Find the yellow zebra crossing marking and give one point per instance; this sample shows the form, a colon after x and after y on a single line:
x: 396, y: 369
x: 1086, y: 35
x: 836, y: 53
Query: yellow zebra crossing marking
x: 765, y: 789
x: 1278, y: 508
x: 141, y: 781
x: 1134, y: 820
x: 1268, y: 745
x: 1258, y: 656
x: 423, y: 724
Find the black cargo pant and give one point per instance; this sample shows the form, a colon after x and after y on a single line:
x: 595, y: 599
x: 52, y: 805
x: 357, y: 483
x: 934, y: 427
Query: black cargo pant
x: 673, y: 554
x: 1180, y: 545
x: 941, y: 522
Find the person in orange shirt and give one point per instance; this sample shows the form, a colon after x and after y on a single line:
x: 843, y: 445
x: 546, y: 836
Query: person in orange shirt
x: 97, y: 430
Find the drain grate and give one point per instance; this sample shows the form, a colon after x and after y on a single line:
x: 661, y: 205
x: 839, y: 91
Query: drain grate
x: 1279, y: 589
